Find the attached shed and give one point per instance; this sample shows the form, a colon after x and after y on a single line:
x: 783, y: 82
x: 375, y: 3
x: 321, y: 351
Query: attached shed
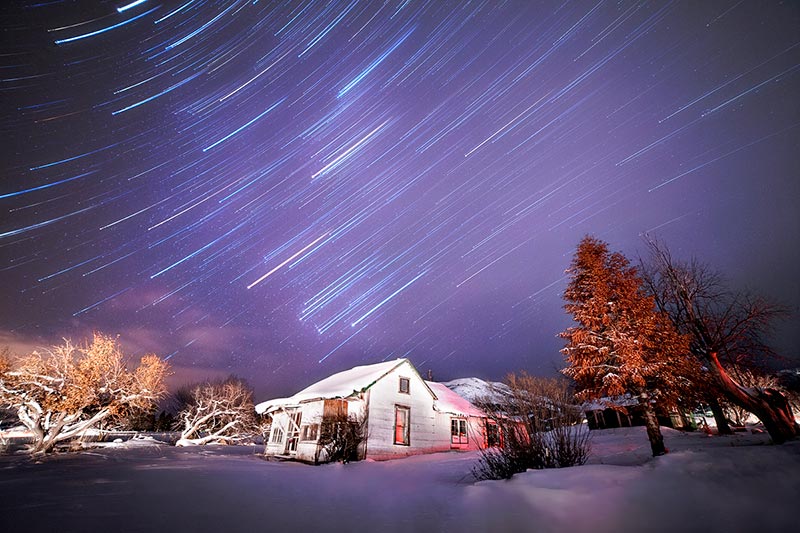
x: 402, y: 414
x: 467, y: 427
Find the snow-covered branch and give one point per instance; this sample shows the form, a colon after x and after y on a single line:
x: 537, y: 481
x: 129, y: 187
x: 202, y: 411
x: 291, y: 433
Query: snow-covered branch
x: 217, y: 412
x: 61, y: 393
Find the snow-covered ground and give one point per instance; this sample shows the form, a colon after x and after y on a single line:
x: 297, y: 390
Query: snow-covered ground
x: 705, y: 484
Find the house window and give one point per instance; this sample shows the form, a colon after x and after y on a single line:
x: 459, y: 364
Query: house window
x: 405, y: 386
x: 309, y: 432
x: 293, y: 431
x: 277, y: 435
x: 402, y: 425
x: 458, y: 431
x: 492, y: 434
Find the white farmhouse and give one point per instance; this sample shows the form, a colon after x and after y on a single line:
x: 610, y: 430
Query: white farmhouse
x: 403, y: 414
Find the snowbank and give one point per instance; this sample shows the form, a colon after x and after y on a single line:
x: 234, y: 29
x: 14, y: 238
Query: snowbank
x: 704, y: 484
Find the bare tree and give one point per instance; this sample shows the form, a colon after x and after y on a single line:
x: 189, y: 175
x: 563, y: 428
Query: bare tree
x: 723, y: 326
x: 264, y: 426
x: 62, y: 392
x: 538, y: 425
x: 752, y: 378
x: 219, y: 412
x: 7, y: 416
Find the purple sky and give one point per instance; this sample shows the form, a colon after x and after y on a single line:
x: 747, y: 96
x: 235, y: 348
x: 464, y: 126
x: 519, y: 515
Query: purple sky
x: 286, y: 192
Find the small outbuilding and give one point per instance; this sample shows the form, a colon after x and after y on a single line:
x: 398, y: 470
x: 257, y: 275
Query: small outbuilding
x: 626, y: 411
x: 399, y: 413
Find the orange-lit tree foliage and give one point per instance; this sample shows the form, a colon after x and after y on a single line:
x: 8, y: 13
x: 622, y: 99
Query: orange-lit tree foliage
x: 62, y: 392
x: 621, y: 343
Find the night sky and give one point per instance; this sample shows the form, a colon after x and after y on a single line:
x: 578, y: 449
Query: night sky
x: 284, y: 190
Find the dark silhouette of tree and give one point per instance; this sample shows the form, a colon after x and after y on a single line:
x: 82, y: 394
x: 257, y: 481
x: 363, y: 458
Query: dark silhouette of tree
x: 725, y: 328
x: 621, y: 343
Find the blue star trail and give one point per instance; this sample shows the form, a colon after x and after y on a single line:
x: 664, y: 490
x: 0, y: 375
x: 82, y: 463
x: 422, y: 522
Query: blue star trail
x: 286, y: 189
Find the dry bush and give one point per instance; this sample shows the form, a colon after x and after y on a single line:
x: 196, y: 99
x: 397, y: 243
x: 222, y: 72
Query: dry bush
x: 341, y: 436
x: 540, y: 427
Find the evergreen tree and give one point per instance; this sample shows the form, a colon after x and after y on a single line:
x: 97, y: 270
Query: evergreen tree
x: 622, y: 343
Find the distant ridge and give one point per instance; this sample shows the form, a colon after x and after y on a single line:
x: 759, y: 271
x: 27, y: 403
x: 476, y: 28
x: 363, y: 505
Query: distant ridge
x: 478, y: 391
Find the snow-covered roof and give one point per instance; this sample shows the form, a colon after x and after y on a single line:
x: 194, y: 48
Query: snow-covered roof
x: 342, y: 385
x: 450, y: 402
x: 476, y: 390
x: 604, y: 403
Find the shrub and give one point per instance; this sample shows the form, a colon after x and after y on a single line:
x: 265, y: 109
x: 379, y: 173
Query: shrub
x: 539, y: 425
x: 341, y: 436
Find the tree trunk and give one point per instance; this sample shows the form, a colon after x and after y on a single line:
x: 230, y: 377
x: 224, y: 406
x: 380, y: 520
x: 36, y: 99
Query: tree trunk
x: 653, y: 429
x: 32, y: 422
x: 44, y: 433
x: 723, y: 428
x: 685, y: 422
x: 769, y: 405
x: 51, y: 429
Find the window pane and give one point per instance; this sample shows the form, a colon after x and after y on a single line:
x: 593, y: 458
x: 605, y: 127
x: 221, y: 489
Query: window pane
x: 492, y: 435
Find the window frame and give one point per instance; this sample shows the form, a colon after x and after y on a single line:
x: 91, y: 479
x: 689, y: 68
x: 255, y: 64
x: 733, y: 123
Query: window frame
x: 277, y: 435
x: 407, y: 382
x: 293, y: 431
x: 309, y: 433
x: 461, y: 434
x: 493, y: 436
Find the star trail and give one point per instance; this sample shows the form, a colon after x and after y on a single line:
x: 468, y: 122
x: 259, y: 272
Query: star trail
x: 286, y: 189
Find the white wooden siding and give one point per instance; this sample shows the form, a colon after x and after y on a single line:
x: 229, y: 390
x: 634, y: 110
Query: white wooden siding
x: 429, y: 428
x: 384, y: 395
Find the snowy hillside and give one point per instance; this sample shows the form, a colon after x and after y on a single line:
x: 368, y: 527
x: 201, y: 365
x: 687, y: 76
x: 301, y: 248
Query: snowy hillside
x: 790, y: 378
x: 478, y: 391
